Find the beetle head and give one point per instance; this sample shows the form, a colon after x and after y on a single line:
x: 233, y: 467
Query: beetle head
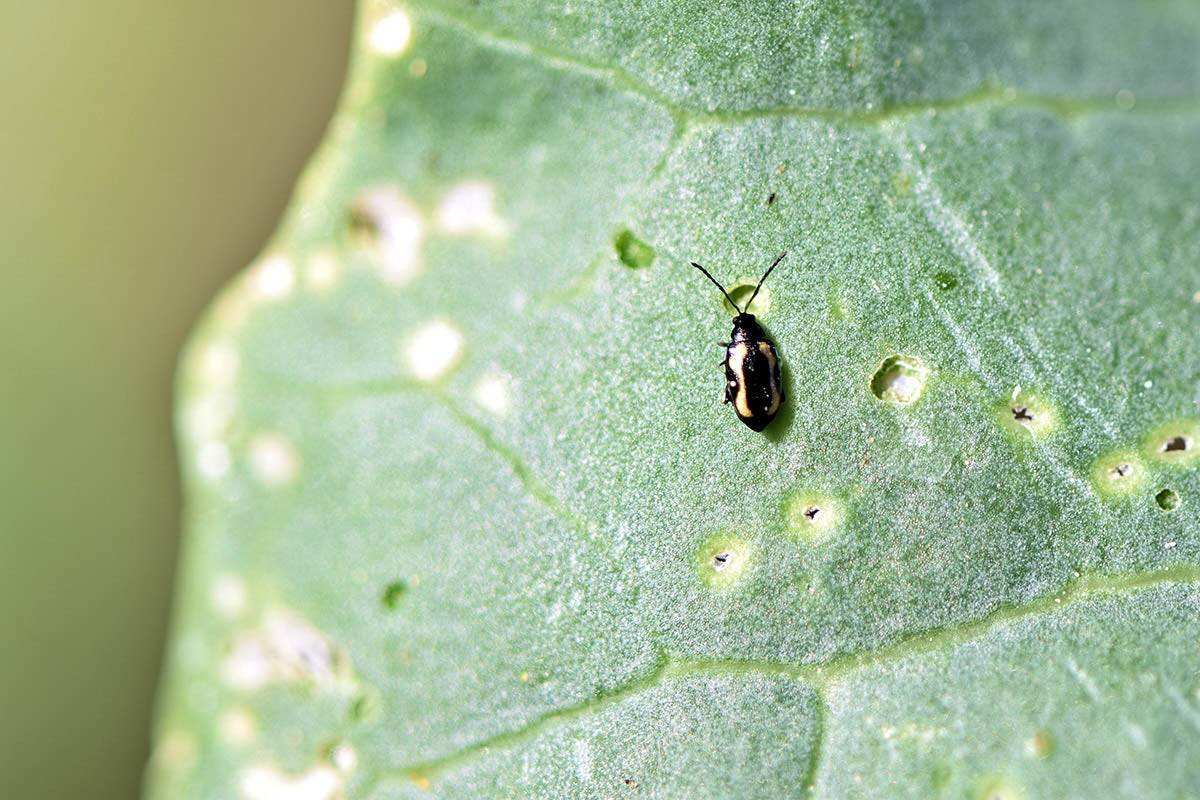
x: 746, y: 328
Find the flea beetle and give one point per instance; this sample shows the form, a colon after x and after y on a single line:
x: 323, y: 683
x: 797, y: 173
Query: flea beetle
x: 751, y: 363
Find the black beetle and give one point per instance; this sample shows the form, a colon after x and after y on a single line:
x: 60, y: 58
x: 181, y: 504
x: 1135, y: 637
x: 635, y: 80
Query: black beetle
x: 751, y: 363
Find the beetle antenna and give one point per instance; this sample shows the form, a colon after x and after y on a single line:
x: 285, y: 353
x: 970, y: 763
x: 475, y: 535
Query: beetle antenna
x: 774, y: 264
x: 719, y: 286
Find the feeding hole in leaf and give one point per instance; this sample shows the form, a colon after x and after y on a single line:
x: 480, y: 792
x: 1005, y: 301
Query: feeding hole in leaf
x: 899, y: 380
x: 1176, y: 444
x: 812, y: 515
x: 741, y: 291
x: 394, y: 594
x: 1118, y: 473
x: 1029, y: 414
x: 632, y: 251
x: 721, y: 561
x: 391, y: 228
x: 1168, y: 500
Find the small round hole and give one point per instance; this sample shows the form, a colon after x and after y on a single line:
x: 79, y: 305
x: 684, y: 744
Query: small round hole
x: 1028, y: 414
x: 899, y: 380
x: 1168, y: 500
x: 1118, y: 473
x: 1176, y: 444
x: 721, y: 561
x: 394, y: 594
x: 632, y: 251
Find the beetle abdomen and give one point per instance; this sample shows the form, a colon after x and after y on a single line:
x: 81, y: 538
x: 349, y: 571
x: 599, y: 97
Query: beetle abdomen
x: 752, y: 370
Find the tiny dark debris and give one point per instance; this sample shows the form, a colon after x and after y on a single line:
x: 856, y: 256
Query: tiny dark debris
x: 1121, y: 470
x: 812, y: 512
x: 631, y: 783
x: 720, y: 559
x: 771, y: 199
x: 1021, y: 414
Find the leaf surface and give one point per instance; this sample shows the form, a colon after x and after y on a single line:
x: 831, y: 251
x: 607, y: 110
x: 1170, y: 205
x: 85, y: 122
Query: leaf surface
x: 467, y: 517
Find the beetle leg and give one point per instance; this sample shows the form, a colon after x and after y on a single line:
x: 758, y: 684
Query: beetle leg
x: 728, y: 394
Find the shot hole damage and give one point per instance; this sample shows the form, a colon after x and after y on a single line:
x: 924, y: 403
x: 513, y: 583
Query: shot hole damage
x: 1118, y: 473
x: 393, y: 594
x: 388, y: 226
x: 632, y: 251
x: 899, y: 380
x: 1167, y: 499
x: 811, y: 515
x: 1176, y: 444
x: 721, y: 561
x: 1028, y: 414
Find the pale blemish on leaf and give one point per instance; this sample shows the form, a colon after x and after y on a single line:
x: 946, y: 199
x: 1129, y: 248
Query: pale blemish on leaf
x: 273, y: 459
x: 1039, y: 745
x: 1118, y: 474
x: 213, y: 459
x: 432, y: 350
x: 237, y: 727
x: 390, y: 34
x: 470, y: 207
x: 1174, y: 443
x: 268, y: 782
x: 344, y: 758
x: 322, y: 271
x: 1027, y: 414
x: 391, y: 229
x: 493, y: 393
x: 285, y: 649
x: 722, y: 561
x: 229, y: 594
x: 272, y: 279
x: 812, y: 515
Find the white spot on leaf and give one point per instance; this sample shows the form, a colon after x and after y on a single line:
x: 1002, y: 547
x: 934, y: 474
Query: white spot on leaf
x: 390, y: 34
x: 238, y: 727
x: 285, y: 649
x: 213, y: 459
x: 270, y: 783
x: 273, y: 278
x: 273, y: 459
x: 392, y: 226
x: 344, y: 757
x: 469, y: 207
x: 432, y: 350
x: 229, y: 594
x: 322, y: 271
x: 219, y: 364
x: 583, y: 760
x: 492, y: 394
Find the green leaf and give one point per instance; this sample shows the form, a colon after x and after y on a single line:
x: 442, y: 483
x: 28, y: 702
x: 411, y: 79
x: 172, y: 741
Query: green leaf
x: 467, y: 518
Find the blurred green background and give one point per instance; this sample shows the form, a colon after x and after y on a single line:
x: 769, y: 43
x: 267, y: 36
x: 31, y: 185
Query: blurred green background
x: 147, y: 149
